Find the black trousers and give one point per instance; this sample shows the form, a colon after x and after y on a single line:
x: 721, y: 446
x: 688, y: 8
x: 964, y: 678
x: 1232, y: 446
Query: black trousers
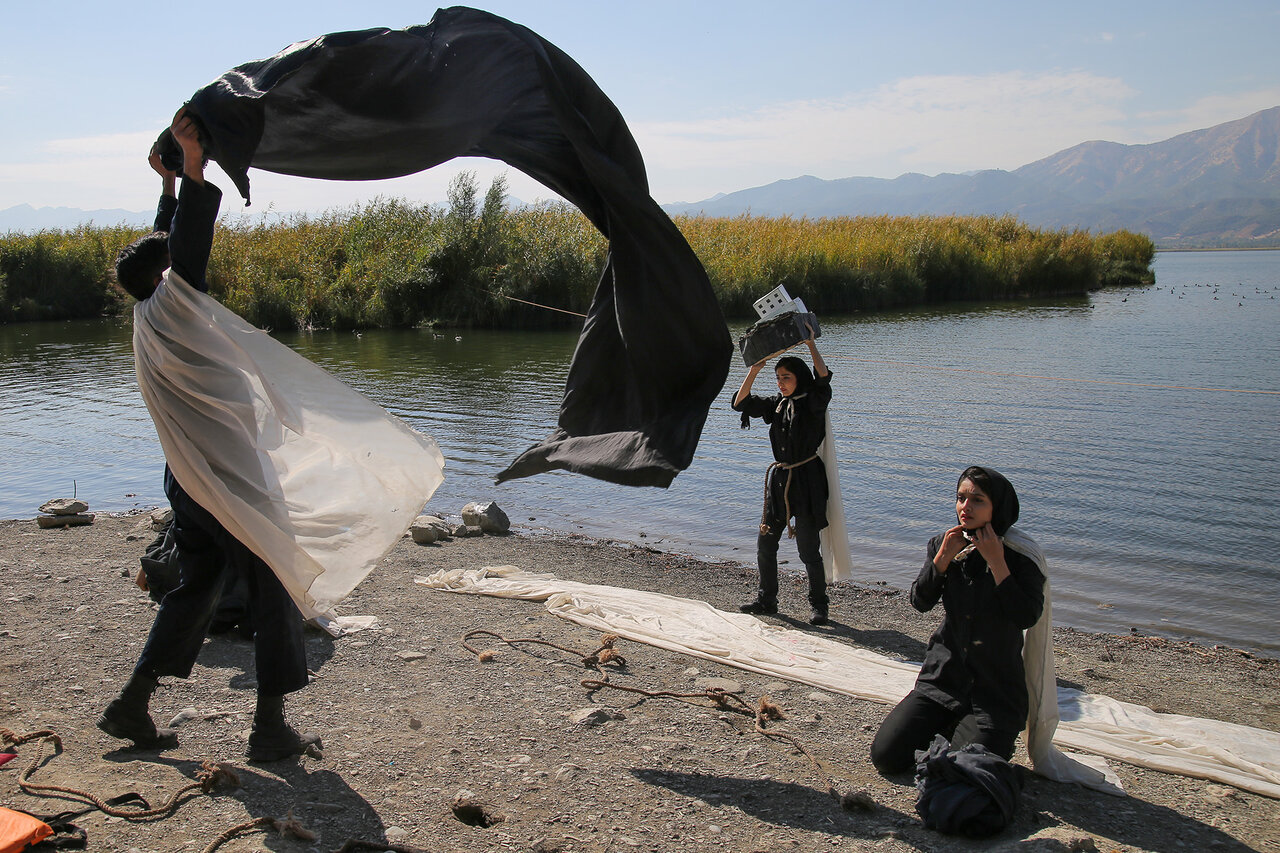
x: 807, y: 544
x: 911, y: 726
x: 208, y: 558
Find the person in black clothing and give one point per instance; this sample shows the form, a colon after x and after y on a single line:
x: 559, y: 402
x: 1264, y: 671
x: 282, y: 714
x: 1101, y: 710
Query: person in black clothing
x: 796, y: 483
x: 208, y: 557
x: 973, y: 665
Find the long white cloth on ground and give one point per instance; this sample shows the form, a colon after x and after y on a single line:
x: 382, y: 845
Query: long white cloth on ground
x: 308, y: 473
x: 1246, y: 757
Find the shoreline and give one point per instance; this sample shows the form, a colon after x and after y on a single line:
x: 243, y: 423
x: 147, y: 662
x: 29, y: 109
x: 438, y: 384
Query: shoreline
x: 410, y: 719
x: 786, y: 570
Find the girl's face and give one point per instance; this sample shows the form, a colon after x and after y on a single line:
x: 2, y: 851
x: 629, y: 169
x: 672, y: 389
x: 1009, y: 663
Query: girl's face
x: 786, y: 381
x: 973, y: 507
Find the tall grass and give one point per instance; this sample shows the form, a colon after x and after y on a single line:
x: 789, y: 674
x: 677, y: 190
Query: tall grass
x: 391, y: 263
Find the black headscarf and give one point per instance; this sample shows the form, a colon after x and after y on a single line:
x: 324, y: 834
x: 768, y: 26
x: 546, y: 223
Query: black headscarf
x: 1004, y: 500
x: 797, y: 368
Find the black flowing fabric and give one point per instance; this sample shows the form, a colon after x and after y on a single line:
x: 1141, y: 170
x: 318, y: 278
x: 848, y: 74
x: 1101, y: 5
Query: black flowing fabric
x: 966, y: 791
x: 654, y: 350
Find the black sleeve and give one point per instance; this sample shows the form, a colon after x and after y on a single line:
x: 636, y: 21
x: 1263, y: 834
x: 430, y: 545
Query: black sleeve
x: 928, y: 585
x: 1021, y: 595
x: 191, y: 238
x: 820, y: 393
x: 164, y: 213
x: 757, y: 407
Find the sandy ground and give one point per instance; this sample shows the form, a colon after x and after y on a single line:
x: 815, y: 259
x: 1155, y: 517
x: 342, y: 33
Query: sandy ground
x: 411, y: 719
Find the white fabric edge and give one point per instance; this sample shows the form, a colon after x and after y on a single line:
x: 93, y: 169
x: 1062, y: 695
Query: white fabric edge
x: 834, y: 538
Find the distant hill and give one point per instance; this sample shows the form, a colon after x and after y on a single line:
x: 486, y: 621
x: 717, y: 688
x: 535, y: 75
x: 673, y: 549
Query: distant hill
x: 1207, y: 188
x: 1213, y: 187
x: 24, y: 217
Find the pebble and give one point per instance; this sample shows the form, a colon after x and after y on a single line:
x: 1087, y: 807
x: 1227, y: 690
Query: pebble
x: 594, y: 716
x: 728, y: 685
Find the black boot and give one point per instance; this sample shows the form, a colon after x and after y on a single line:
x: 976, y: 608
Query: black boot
x: 760, y: 605
x: 127, y: 717
x: 819, y: 616
x: 272, y: 738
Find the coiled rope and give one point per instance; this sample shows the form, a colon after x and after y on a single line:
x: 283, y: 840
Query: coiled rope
x: 209, y: 776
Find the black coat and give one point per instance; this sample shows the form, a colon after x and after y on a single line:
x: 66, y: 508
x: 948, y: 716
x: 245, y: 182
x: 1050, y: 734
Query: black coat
x: 974, y: 660
x: 795, y: 436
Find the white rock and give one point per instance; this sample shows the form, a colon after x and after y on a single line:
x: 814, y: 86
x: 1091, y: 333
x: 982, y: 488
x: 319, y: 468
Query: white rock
x: 64, y: 506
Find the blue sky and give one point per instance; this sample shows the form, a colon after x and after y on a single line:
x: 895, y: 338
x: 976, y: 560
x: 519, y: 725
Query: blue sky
x: 720, y: 95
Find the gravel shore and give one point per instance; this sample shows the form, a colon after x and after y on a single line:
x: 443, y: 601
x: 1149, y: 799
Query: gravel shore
x: 413, y: 722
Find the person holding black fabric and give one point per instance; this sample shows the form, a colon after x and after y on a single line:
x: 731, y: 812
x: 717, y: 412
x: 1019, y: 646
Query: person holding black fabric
x: 973, y: 665
x: 207, y: 555
x: 796, y: 483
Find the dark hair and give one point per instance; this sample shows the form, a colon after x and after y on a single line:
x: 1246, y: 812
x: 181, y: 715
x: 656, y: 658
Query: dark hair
x: 797, y: 368
x: 1004, y: 500
x: 141, y: 262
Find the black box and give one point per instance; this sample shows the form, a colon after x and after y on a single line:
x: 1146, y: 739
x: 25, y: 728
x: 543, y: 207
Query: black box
x: 776, y: 335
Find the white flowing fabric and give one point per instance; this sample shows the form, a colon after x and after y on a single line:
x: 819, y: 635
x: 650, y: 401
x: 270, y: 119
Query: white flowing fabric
x: 312, y: 476
x: 1042, y: 691
x: 834, y: 538
x: 1246, y: 757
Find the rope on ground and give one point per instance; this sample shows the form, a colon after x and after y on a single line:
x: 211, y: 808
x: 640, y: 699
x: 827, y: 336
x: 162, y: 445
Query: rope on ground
x: 288, y: 827
x: 763, y: 712
x: 604, y: 654
x: 208, y: 777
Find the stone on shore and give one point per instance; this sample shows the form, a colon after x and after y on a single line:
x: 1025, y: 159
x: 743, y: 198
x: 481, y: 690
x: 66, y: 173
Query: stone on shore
x: 489, y: 517
x: 48, y: 521
x: 427, y: 529
x: 64, y: 506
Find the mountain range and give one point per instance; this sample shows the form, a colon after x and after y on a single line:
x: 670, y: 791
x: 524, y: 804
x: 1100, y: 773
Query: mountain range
x: 1207, y: 188
x: 1214, y: 187
x: 24, y: 217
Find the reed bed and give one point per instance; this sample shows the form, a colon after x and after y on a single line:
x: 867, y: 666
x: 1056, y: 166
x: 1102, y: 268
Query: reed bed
x: 474, y: 263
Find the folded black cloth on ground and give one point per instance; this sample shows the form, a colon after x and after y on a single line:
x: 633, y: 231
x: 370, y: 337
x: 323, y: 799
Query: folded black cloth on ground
x: 654, y: 350
x: 965, y: 791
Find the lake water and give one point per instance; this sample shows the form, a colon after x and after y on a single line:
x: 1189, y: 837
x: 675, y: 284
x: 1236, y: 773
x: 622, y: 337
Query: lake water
x: 1140, y: 427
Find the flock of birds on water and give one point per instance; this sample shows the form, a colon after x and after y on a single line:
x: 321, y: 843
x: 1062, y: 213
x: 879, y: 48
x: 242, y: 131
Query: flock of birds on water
x: 1217, y: 287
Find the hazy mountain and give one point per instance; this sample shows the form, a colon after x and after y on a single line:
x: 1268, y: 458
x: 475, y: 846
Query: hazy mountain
x: 1219, y: 186
x: 24, y: 217
x: 28, y: 219
x: 1212, y: 187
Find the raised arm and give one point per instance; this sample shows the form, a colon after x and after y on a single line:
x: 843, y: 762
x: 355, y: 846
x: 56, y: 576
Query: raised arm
x: 168, y: 203
x: 819, y: 366
x: 745, y: 388
x: 191, y: 238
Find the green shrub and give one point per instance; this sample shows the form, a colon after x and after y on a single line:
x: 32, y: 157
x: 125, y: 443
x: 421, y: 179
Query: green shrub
x: 472, y: 262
